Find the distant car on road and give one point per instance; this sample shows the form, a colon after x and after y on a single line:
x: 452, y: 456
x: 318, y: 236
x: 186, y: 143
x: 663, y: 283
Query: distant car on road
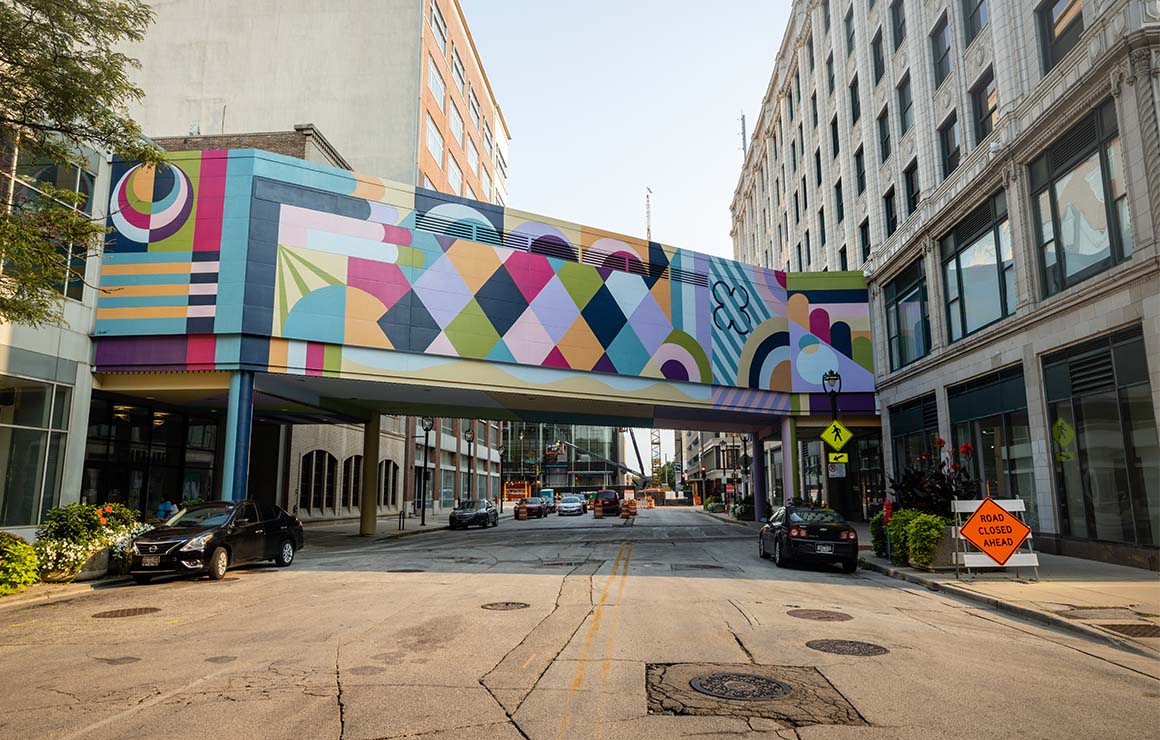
x: 571, y: 505
x: 535, y: 507
x: 213, y: 537
x: 608, y: 501
x: 797, y: 533
x: 473, y: 511
x: 548, y: 496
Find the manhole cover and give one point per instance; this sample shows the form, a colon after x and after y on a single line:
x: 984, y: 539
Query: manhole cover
x: 739, y: 686
x: 819, y: 615
x: 505, y: 606
x: 406, y: 570
x: 846, y: 647
x: 1134, y: 630
x: 118, y: 613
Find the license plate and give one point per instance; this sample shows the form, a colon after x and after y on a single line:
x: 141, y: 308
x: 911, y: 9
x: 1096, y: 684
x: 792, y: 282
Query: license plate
x: 825, y: 548
x: 150, y: 561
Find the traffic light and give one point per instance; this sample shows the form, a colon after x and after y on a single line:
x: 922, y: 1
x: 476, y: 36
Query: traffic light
x: 702, y: 470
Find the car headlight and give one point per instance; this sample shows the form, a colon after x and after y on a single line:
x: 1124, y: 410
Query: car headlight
x: 197, y: 543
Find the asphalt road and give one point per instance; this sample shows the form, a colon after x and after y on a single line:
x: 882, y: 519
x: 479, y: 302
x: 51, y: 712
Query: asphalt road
x: 350, y: 643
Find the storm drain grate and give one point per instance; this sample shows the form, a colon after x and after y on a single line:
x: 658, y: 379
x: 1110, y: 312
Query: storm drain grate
x: 563, y: 564
x: 406, y: 570
x: 846, y: 647
x: 119, y: 613
x: 1134, y: 630
x: 505, y: 606
x: 819, y: 615
x: 740, y: 686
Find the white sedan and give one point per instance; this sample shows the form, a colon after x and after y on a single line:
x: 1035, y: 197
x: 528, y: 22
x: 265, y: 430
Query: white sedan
x: 571, y: 505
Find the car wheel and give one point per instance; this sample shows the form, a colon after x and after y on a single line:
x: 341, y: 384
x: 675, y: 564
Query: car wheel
x: 495, y: 520
x: 761, y: 548
x: 849, y: 566
x: 142, y: 579
x: 219, y: 561
x: 285, y: 554
x: 778, y: 557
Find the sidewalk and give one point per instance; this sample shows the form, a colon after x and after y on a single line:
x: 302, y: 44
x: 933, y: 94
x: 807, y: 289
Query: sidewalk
x: 1111, y: 603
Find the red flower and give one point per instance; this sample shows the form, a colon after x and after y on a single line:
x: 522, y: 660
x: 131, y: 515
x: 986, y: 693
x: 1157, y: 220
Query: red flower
x: 108, y: 508
x: 104, y: 520
x: 966, y: 449
x: 940, y: 443
x: 954, y: 466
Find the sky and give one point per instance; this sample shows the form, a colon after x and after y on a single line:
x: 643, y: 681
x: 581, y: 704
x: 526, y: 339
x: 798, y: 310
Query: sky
x: 604, y: 98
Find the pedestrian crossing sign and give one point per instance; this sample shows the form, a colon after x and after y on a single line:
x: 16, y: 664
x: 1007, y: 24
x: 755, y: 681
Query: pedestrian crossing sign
x: 836, y: 435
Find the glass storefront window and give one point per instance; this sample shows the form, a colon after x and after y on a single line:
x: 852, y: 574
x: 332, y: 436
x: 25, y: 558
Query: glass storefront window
x: 30, y: 455
x: 978, y: 269
x: 907, y: 324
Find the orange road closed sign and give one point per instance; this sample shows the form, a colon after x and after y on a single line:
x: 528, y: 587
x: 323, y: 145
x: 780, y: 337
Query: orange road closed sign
x: 995, y: 531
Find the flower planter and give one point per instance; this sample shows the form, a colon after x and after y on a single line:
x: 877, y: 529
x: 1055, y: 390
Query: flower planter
x: 97, y: 566
x: 944, y: 554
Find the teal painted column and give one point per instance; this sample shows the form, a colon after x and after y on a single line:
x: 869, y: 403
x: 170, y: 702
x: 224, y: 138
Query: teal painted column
x: 239, y: 424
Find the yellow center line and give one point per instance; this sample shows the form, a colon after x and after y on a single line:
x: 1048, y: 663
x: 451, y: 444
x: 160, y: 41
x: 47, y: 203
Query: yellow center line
x: 589, y: 636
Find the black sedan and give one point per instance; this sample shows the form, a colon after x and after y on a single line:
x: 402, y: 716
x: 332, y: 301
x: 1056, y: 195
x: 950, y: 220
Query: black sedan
x: 210, y: 538
x: 798, y: 533
x: 473, y: 511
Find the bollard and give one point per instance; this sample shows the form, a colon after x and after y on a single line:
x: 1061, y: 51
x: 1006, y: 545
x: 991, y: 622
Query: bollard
x: 402, y: 520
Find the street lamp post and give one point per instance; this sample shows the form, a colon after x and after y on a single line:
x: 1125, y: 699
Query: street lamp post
x: 832, y: 383
x: 428, y: 424
x: 469, y: 435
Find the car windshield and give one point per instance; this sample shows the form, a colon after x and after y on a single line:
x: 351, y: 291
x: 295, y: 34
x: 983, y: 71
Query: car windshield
x: 468, y: 505
x: 201, y: 516
x: 570, y: 500
x: 535, y: 501
x: 816, y: 516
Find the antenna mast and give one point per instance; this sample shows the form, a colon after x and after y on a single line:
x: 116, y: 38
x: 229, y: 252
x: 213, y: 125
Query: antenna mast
x: 648, y: 213
x: 744, y: 138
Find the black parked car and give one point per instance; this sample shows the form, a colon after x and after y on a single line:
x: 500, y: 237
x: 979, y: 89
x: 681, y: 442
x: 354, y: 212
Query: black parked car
x: 808, y: 534
x: 209, y: 538
x: 473, y: 511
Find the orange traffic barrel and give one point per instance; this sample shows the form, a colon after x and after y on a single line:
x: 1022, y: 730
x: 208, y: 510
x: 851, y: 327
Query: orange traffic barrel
x: 521, y: 512
x: 632, y: 507
x: 598, y: 510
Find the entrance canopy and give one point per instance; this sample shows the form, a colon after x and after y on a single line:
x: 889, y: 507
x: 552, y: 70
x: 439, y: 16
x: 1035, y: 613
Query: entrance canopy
x: 344, y: 295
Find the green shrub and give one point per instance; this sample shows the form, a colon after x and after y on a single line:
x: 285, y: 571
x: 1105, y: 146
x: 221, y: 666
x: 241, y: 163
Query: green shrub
x: 878, y: 535
x: 923, y: 533
x: 77, y: 523
x: 897, y: 528
x: 18, y: 567
x: 70, y: 534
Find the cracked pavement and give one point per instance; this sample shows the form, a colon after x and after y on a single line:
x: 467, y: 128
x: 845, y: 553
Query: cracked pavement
x: 339, y: 647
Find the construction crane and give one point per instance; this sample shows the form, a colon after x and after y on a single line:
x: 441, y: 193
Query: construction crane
x: 657, y: 463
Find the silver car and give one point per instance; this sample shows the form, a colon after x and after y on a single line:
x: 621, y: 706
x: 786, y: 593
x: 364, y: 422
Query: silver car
x: 571, y: 505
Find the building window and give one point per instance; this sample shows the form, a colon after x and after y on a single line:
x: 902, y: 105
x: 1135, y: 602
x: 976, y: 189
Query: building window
x: 838, y: 204
x: 830, y: 73
x: 940, y: 49
x: 978, y: 269
x: 485, y: 183
x: 810, y: 52
x: 835, y: 140
x: 458, y: 72
x: 905, y: 106
x: 849, y: 21
x: 809, y: 252
x: 435, y: 83
x: 472, y: 157
x: 826, y: 14
x: 822, y: 224
x: 34, y: 420
x: 884, y: 134
x: 990, y: 414
x: 948, y: 138
x: 317, y: 481
x: 434, y: 140
x: 388, y: 483
x: 910, y: 177
x: 789, y: 104
x: 487, y: 144
x: 456, y: 122
x: 1105, y: 454
x: 842, y: 264
x: 352, y: 482
x: 913, y: 431
x: 805, y: 194
x: 814, y: 107
x: 907, y: 318
x: 801, y: 264
x: 898, y: 22
x: 32, y: 173
x: 473, y: 109
x: 860, y: 170
x: 454, y: 175
x: 793, y: 154
x: 818, y: 166
x: 985, y: 99
x: 855, y: 102
x: 877, y: 57
x: 438, y: 26
x: 864, y: 238
x: 796, y: 212
x: 974, y: 17
x: 1081, y: 202
x: 1060, y: 26
x: 890, y: 212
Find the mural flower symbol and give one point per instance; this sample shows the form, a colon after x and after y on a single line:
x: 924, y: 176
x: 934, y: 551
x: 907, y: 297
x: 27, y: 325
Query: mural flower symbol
x: 730, y: 312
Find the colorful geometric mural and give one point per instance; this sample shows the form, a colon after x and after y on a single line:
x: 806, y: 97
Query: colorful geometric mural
x: 288, y: 267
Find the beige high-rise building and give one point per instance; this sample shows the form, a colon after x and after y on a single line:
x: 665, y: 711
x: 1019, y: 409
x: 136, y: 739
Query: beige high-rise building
x: 994, y: 168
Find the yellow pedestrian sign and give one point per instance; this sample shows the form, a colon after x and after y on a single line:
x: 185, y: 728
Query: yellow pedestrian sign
x: 839, y: 457
x: 836, y: 436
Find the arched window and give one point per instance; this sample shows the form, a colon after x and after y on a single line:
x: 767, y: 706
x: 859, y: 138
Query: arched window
x: 352, y: 482
x: 388, y: 483
x: 316, y: 481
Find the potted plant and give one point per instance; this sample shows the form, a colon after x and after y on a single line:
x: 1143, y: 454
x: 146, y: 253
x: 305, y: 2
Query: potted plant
x: 928, y: 488
x: 74, y: 541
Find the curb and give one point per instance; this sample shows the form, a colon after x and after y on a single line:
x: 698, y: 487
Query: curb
x: 1023, y: 612
x: 32, y: 596
x: 747, y: 525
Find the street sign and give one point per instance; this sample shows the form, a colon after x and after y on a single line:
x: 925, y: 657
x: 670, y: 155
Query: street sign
x: 839, y: 457
x: 836, y: 470
x: 996, y: 532
x: 1064, y: 435
x: 836, y: 435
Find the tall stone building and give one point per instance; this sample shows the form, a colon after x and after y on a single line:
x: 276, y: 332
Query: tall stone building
x: 994, y: 169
